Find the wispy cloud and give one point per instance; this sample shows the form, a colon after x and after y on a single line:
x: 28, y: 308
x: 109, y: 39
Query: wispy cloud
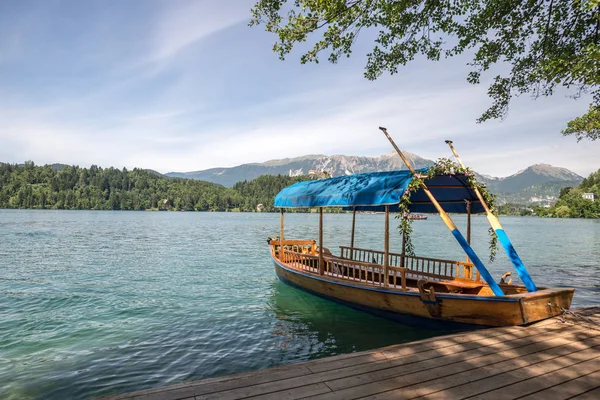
x: 187, y: 86
x: 186, y: 22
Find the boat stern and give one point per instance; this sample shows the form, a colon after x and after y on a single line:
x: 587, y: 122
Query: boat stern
x: 545, y: 303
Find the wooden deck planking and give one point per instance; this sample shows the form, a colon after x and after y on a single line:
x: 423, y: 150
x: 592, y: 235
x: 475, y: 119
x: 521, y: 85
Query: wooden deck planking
x: 494, y: 376
x: 571, y: 388
x: 441, y: 360
x: 436, y: 378
x: 515, y: 382
x: 341, y: 369
x: 443, y: 346
x: 200, y: 388
x: 550, y: 358
x: 593, y: 394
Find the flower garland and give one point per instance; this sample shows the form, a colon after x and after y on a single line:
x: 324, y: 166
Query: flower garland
x: 443, y: 166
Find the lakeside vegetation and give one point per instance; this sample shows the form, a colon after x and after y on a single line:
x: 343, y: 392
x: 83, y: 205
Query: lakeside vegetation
x: 29, y: 186
x: 570, y: 204
x: 96, y: 188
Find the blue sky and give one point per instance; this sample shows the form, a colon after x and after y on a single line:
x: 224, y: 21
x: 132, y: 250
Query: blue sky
x: 187, y: 85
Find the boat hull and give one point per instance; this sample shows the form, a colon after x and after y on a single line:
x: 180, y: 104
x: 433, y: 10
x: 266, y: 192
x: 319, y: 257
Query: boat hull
x: 447, y: 309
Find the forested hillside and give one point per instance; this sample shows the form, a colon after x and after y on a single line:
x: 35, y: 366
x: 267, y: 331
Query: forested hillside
x: 572, y: 204
x: 263, y: 189
x: 95, y: 188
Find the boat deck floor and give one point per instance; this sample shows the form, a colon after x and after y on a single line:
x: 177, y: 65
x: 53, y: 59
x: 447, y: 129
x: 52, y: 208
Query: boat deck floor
x: 558, y: 358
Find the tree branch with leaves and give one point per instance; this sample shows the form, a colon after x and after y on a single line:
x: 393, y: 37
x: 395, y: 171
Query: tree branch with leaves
x: 548, y: 44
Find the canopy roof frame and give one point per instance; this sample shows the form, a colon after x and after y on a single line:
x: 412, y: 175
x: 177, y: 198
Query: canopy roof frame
x: 373, y: 191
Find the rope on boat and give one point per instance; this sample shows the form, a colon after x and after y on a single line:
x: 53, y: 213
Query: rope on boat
x: 565, y: 312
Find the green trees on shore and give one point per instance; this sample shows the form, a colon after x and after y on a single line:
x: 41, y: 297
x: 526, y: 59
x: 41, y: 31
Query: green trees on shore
x: 572, y: 204
x: 263, y: 189
x: 95, y: 188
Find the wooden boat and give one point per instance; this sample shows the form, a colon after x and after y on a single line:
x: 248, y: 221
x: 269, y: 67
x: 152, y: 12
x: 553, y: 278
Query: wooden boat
x: 394, y: 284
x: 416, y: 217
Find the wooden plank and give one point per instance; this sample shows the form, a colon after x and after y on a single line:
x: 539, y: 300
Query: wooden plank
x: 573, y: 387
x: 430, y: 349
x: 479, y: 339
x: 337, y: 364
x: 426, y: 384
x: 336, y: 373
x: 589, y: 311
x: 512, y: 378
x: 422, y: 361
x: 294, y: 387
x: 295, y: 393
x: 528, y: 385
x: 593, y: 394
x: 215, y: 384
x: 371, y: 384
x: 364, y: 364
x: 462, y: 337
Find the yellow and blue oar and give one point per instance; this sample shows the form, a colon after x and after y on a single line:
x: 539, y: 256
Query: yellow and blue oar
x: 451, y: 226
x: 502, y: 237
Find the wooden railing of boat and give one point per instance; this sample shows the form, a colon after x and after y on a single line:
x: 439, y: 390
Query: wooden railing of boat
x: 428, y: 267
x: 298, y: 246
x: 366, y: 266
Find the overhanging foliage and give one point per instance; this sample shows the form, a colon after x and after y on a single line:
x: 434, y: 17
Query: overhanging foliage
x: 547, y: 43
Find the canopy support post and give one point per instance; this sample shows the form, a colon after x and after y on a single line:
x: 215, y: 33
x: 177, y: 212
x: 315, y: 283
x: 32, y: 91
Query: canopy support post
x: 468, y: 224
x: 386, y: 247
x: 281, y: 258
x: 450, y: 224
x: 403, y: 255
x: 321, y: 265
x: 469, y: 235
x: 352, y: 236
x: 468, y: 221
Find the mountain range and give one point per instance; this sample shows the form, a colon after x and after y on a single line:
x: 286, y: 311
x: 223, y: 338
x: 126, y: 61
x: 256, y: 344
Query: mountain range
x: 335, y: 165
x: 537, y: 184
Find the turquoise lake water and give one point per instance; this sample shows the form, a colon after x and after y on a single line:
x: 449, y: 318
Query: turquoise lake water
x: 94, y: 303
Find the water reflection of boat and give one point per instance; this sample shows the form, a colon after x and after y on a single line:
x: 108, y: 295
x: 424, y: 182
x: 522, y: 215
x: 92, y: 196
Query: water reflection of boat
x: 398, y: 285
x: 323, y: 328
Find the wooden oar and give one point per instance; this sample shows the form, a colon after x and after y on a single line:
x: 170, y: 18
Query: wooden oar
x: 450, y: 224
x: 502, y: 237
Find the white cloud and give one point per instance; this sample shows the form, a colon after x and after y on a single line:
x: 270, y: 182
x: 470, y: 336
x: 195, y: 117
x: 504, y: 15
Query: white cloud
x: 336, y: 120
x: 177, y: 110
x: 186, y: 22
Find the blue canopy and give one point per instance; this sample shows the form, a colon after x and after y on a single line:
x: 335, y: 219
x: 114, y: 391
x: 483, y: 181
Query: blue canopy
x: 372, y: 191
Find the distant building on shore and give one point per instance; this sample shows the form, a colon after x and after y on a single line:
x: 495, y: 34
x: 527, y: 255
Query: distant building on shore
x: 165, y: 205
x: 589, y: 196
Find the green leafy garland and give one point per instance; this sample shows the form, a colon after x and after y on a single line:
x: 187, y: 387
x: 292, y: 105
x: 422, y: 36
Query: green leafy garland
x: 443, y: 166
